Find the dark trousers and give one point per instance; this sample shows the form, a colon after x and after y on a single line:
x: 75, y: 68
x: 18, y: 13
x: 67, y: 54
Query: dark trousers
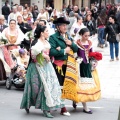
x: 6, y: 17
x: 60, y: 77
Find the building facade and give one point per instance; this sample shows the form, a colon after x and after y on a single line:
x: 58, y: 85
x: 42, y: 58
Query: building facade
x: 58, y: 4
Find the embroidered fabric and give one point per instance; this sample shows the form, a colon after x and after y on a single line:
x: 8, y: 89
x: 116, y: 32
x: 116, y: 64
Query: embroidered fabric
x: 86, y: 83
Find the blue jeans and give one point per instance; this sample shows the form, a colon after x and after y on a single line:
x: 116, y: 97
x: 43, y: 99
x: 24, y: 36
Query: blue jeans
x: 100, y: 35
x: 112, y: 46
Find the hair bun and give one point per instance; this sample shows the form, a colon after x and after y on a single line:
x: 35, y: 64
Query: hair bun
x: 38, y: 31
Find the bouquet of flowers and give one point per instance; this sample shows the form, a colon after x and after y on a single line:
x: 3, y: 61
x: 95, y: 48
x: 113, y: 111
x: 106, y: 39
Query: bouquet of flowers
x: 29, y: 36
x: 95, y: 55
x: 94, y: 58
x: 3, y: 41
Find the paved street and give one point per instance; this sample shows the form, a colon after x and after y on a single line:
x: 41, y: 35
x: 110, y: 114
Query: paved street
x: 104, y: 109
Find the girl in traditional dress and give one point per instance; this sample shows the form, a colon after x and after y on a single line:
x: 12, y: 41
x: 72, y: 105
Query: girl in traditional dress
x: 42, y: 88
x: 89, y: 87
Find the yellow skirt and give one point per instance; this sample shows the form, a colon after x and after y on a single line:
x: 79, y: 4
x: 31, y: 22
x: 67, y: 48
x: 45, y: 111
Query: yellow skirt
x: 83, y: 90
x: 79, y: 89
x: 91, y: 92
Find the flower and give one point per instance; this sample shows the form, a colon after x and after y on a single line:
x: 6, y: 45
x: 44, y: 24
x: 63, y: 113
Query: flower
x: 3, y: 41
x: 95, y: 55
x: 29, y: 35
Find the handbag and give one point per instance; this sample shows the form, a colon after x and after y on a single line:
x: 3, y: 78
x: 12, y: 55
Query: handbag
x: 117, y: 35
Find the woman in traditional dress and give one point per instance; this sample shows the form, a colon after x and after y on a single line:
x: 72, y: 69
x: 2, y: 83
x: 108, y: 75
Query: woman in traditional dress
x: 89, y: 87
x: 14, y: 36
x: 42, y: 88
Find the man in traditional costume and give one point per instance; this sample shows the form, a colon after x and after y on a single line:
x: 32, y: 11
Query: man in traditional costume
x: 62, y: 49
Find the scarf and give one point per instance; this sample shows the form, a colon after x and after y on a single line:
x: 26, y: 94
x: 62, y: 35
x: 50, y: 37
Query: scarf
x: 71, y: 79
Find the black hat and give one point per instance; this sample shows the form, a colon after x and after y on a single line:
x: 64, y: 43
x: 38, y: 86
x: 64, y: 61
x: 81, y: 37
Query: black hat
x: 61, y: 20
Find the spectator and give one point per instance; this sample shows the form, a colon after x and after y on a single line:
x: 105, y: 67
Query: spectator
x: 13, y: 15
x: 76, y: 27
x: 49, y: 9
x: 5, y: 10
x: 2, y: 21
x: 29, y: 11
x: 112, y: 11
x: 25, y: 27
x: 94, y: 11
x: 90, y: 25
x: 112, y: 28
x: 69, y: 9
x: 72, y: 20
x: 42, y: 15
x: 76, y: 10
x: 20, y: 9
x: 27, y: 17
x: 26, y: 6
x: 83, y: 13
x: 118, y: 16
x: 35, y: 12
x: 101, y: 22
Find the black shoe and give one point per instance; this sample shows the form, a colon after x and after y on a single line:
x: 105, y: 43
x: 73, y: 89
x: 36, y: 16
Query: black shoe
x: 88, y: 112
x: 74, y: 105
x: 27, y: 110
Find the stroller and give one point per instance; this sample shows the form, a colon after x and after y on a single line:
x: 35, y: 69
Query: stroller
x: 16, y: 77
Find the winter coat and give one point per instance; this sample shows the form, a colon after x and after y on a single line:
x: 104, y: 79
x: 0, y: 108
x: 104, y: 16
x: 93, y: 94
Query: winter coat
x: 111, y: 35
x: 91, y: 26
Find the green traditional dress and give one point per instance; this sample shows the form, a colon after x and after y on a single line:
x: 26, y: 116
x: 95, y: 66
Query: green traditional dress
x: 42, y: 88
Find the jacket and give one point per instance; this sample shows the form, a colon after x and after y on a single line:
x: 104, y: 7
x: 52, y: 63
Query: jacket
x: 91, y: 26
x: 24, y: 27
x: 109, y: 31
x: 4, y: 26
x: 5, y: 10
x: 56, y: 40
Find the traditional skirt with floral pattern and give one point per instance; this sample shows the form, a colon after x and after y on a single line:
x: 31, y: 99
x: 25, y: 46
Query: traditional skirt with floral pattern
x: 42, y: 88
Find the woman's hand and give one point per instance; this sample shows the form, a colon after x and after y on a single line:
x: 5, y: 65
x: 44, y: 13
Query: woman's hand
x: 47, y: 58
